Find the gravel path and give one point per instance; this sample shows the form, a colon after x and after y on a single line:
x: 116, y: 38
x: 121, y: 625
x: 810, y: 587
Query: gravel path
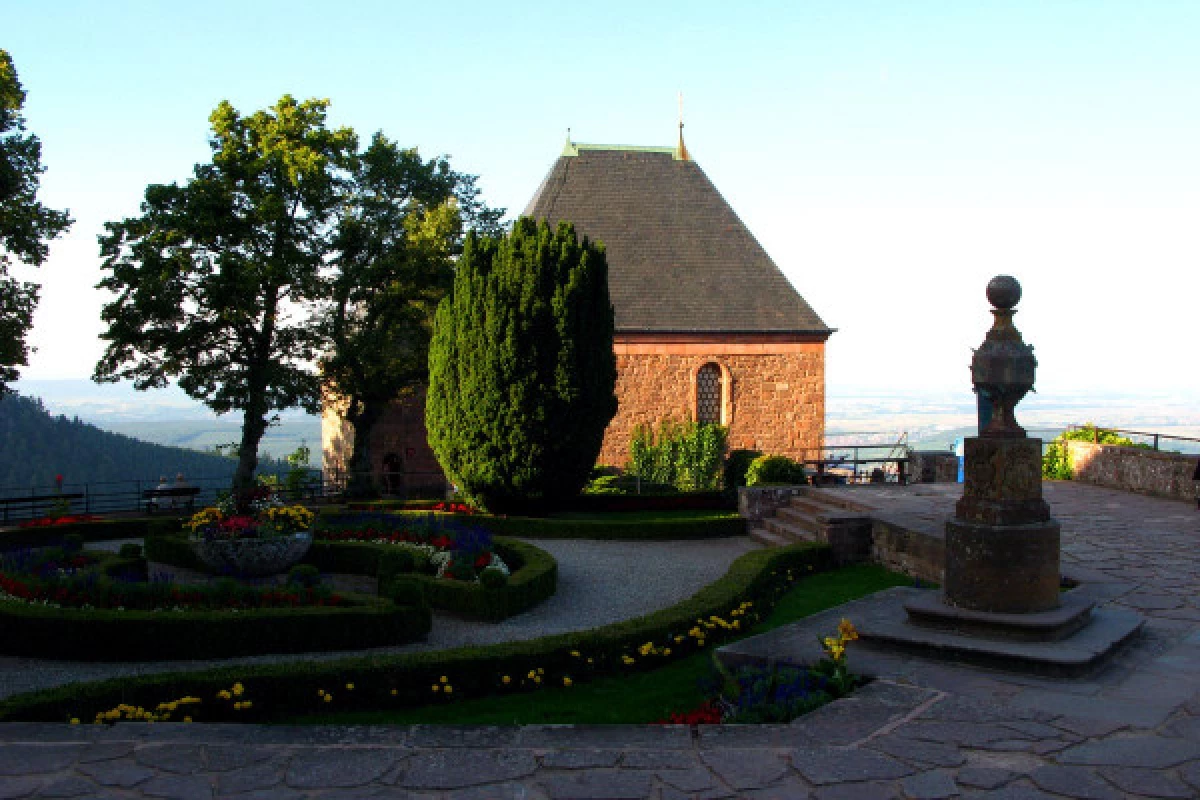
x: 598, y: 583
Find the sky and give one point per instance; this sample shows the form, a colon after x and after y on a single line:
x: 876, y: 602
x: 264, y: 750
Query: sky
x: 891, y: 157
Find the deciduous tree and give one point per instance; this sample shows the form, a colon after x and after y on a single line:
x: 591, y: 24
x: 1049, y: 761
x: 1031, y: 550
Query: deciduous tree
x: 220, y: 282
x: 26, y: 226
x: 394, y: 260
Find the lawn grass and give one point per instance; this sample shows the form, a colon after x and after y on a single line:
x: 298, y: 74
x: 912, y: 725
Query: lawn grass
x: 627, y: 699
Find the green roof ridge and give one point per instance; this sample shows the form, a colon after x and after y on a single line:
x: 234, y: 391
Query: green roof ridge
x: 573, y: 148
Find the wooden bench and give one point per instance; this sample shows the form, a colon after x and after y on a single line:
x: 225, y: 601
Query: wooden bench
x: 154, y: 498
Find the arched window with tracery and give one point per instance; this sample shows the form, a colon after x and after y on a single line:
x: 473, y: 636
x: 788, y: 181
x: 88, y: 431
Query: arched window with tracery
x: 709, y: 394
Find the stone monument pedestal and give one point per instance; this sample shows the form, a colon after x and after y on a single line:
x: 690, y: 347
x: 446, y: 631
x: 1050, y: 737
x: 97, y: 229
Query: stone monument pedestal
x: 1002, y: 547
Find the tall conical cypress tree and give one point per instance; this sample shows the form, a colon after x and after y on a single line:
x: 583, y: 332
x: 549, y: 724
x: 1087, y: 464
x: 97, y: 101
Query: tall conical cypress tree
x: 521, y: 368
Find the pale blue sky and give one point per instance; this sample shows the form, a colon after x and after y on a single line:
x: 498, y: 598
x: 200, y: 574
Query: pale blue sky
x: 891, y: 157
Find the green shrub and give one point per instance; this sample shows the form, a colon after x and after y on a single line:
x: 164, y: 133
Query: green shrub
x: 1056, y: 461
x: 493, y: 579
x: 737, y: 464
x: 403, y: 590
x: 130, y: 550
x: 521, y: 368
x: 397, y: 560
x: 775, y: 469
x: 304, y: 575
x: 684, y: 455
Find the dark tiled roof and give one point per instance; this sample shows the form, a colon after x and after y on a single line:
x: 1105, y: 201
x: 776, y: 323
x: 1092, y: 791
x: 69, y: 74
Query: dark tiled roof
x: 679, y: 258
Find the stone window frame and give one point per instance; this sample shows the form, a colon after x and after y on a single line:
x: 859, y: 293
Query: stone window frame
x: 726, y: 402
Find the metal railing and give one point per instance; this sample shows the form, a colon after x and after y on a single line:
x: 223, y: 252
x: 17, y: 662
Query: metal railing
x: 1153, y: 439
x: 858, y: 462
x: 18, y: 504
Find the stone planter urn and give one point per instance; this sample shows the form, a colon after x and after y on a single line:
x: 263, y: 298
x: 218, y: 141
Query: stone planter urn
x: 253, y: 558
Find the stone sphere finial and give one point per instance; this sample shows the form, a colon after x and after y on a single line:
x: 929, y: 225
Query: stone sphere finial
x: 1003, y: 291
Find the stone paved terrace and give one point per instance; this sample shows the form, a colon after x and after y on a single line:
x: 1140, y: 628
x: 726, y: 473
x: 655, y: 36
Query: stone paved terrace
x: 922, y: 730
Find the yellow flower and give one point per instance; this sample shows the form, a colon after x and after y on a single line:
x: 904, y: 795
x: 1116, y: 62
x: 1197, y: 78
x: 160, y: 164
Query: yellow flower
x: 532, y: 674
x: 847, y: 630
x: 566, y: 681
x: 350, y: 686
x: 699, y: 643
x: 437, y: 687
x: 74, y: 720
x: 449, y: 689
x: 238, y: 688
x: 506, y: 680
x: 187, y: 719
x: 224, y: 694
x: 443, y: 679
x: 589, y: 661
x: 328, y: 698
x: 626, y: 659
x: 541, y: 671
x: 666, y: 651
x: 575, y: 653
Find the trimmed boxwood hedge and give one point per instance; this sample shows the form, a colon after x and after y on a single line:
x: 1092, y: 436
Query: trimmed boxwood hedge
x: 103, y: 635
x: 686, y: 501
x: 633, y: 530
x: 96, y: 531
x: 292, y: 688
x: 534, y: 574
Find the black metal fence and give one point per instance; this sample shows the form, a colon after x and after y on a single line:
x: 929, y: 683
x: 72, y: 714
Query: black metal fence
x: 18, y: 504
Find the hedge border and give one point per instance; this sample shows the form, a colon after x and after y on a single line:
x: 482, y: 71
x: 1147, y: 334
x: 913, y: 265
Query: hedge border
x: 102, y: 635
x: 534, y: 575
x: 612, y: 530
x: 96, y: 531
x: 290, y: 688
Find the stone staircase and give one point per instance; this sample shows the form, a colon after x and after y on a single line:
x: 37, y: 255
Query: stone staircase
x: 810, y: 515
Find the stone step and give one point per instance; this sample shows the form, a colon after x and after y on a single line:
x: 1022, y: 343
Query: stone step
x: 788, y: 531
x: 811, y: 506
x: 800, y: 518
x: 835, y: 500
x: 768, y: 539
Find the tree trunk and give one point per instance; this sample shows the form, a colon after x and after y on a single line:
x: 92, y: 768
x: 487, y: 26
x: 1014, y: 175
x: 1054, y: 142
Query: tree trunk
x: 254, y: 425
x: 361, y: 483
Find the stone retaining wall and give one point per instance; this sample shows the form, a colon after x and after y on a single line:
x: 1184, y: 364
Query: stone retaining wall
x: 1134, y: 469
x: 916, y: 553
x: 755, y: 503
x: 932, y: 466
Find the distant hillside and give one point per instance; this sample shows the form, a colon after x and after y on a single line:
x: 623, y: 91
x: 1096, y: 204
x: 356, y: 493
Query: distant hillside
x: 35, y: 446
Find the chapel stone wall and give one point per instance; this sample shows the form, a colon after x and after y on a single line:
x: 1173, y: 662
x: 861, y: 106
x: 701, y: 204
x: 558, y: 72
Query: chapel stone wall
x: 774, y: 394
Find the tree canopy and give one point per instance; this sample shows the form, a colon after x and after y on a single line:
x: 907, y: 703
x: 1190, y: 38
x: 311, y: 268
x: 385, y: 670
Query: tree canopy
x: 394, y: 257
x: 521, y: 367
x: 26, y: 226
x: 219, y: 282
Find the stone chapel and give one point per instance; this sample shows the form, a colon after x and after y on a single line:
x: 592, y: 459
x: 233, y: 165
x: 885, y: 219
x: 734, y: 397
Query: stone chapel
x: 707, y: 327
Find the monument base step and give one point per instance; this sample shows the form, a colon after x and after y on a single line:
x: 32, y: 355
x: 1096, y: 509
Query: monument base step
x: 1073, y: 613
x: 888, y: 639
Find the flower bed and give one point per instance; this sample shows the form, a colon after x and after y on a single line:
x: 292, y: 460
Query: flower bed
x: 53, y: 522
x: 750, y: 588
x: 99, y: 607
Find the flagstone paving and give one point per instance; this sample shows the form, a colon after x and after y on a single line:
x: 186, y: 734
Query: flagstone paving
x: 921, y: 730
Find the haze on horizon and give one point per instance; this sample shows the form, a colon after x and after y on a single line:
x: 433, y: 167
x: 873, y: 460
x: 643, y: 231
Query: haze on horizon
x: 891, y: 158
